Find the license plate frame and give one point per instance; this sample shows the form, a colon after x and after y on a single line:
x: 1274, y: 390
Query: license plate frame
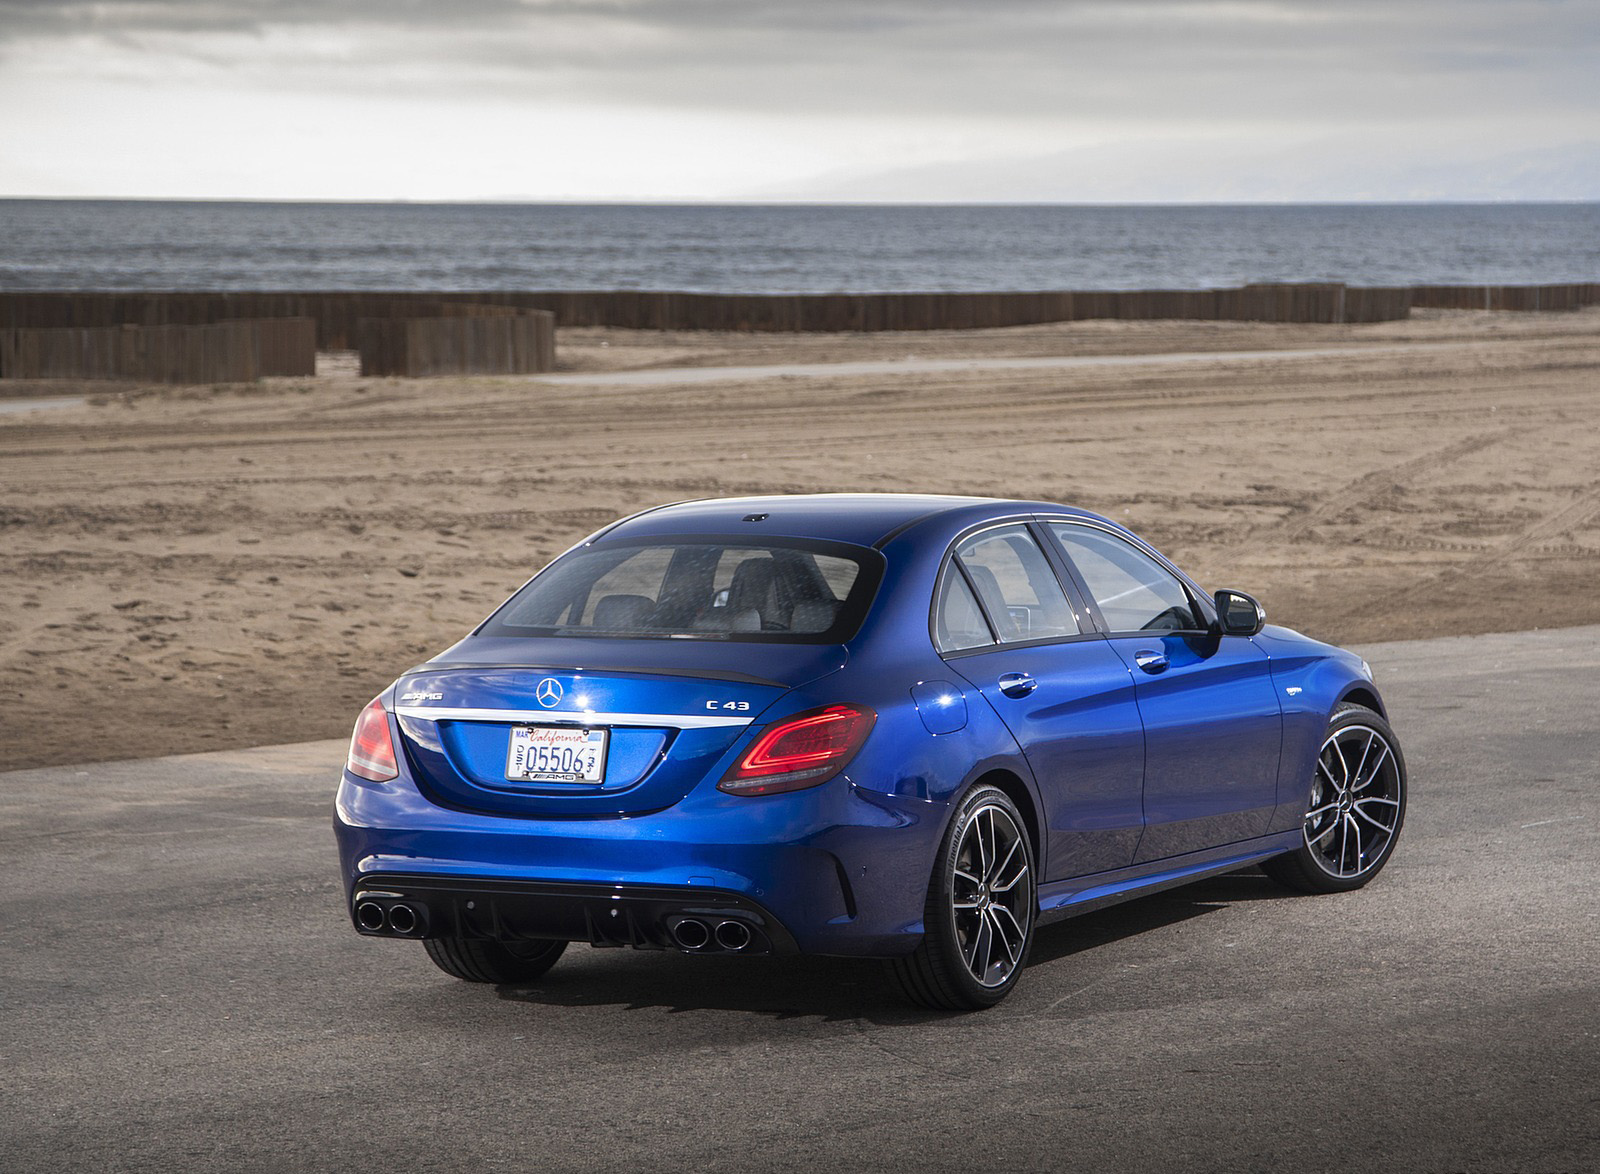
x: 587, y: 749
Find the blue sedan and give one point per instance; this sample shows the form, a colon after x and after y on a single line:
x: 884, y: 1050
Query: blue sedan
x: 907, y: 727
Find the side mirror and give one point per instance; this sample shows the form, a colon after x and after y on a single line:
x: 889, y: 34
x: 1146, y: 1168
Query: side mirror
x: 1239, y: 614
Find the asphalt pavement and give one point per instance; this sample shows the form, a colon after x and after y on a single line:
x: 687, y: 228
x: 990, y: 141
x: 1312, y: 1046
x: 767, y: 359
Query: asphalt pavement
x: 180, y: 990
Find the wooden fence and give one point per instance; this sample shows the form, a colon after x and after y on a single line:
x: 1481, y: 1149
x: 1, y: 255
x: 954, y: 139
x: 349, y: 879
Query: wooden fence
x: 65, y: 353
x: 955, y: 311
x: 222, y: 352
x: 285, y: 346
x: 281, y: 348
x: 1507, y: 297
x: 338, y: 314
x: 461, y: 340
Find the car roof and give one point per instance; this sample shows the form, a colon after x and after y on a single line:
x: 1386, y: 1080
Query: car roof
x: 864, y: 519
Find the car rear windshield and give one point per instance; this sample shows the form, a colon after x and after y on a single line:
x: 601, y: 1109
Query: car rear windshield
x: 698, y: 589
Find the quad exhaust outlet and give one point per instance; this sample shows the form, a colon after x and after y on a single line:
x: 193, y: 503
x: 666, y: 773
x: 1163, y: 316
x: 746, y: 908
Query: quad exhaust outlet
x: 698, y: 937
x: 397, y: 913
x: 691, y: 933
x: 399, y: 919
x: 732, y: 935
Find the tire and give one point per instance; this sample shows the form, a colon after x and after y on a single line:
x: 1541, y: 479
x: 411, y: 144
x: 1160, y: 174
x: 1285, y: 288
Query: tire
x: 477, y: 960
x: 1355, y: 811
x: 978, y: 924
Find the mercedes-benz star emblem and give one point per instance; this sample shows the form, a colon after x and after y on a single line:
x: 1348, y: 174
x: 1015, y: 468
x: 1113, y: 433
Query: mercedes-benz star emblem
x: 549, y: 692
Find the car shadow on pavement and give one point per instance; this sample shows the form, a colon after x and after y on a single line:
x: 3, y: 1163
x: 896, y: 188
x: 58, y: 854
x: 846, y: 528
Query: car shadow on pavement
x: 778, y: 988
x: 843, y: 989
x: 1062, y: 939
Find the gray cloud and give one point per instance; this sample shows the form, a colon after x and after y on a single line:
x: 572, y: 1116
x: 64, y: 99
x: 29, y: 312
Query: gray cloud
x: 1203, y: 56
x: 1056, y: 72
x: 1372, y: 22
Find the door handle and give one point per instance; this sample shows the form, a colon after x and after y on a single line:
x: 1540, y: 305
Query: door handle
x: 1151, y: 661
x: 1017, y: 684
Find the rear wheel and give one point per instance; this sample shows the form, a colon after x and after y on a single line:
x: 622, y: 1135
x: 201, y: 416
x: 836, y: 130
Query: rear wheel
x: 1356, y: 809
x: 979, y: 919
x: 475, y: 960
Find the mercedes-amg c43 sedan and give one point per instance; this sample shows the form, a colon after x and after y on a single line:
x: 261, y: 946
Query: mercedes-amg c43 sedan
x: 914, y: 728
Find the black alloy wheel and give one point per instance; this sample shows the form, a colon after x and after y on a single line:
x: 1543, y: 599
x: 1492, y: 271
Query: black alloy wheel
x: 1356, y: 808
x: 978, y: 923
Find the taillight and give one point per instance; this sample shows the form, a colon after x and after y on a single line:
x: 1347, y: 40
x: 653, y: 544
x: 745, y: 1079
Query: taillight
x: 805, y: 750
x: 371, y: 749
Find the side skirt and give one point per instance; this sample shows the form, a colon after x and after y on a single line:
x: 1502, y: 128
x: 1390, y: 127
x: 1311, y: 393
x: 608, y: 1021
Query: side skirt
x: 1084, y: 894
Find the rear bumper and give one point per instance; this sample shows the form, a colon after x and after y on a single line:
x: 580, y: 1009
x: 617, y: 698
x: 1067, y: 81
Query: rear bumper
x: 832, y: 870
x: 641, y: 916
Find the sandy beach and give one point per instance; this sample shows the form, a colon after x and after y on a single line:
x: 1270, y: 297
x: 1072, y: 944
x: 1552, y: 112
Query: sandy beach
x: 207, y: 567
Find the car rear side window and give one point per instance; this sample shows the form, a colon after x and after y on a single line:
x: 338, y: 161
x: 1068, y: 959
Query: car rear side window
x: 696, y: 589
x: 958, y: 620
x: 1020, y: 592
x: 1135, y: 593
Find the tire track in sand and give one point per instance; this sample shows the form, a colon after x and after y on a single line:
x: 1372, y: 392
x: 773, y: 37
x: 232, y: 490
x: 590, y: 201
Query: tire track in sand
x: 1534, y: 540
x: 1569, y: 517
x: 1397, y: 477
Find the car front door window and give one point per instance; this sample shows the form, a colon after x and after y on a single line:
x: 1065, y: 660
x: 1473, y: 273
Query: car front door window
x: 1134, y: 592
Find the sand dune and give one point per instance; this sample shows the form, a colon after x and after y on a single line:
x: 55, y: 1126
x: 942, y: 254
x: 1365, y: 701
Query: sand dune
x: 192, y: 568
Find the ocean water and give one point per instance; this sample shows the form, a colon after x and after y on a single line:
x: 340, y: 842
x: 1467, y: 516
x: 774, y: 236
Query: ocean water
x: 107, y: 244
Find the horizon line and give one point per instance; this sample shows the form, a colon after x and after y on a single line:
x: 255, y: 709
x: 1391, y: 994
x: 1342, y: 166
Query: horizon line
x: 540, y: 202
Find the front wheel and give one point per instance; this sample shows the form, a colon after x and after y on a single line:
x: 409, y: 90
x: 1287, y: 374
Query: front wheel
x: 979, y: 919
x: 479, y: 960
x: 1356, y: 809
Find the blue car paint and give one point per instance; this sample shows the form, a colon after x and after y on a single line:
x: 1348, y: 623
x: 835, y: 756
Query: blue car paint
x: 844, y: 866
x: 1080, y: 732
x: 1312, y: 679
x: 941, y: 705
x: 1213, y: 731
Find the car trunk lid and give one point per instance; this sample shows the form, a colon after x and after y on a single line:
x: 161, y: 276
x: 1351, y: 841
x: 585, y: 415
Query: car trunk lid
x: 660, y: 728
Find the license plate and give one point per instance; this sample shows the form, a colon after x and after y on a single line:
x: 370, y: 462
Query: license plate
x: 556, y: 754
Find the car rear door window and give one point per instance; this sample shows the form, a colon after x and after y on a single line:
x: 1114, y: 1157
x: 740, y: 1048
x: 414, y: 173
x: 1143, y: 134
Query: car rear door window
x: 1019, y: 590
x: 1134, y: 592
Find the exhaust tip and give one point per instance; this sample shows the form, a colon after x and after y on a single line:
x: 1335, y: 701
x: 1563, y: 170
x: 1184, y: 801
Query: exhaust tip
x: 691, y: 934
x: 733, y: 935
x: 369, y: 916
x: 402, y: 918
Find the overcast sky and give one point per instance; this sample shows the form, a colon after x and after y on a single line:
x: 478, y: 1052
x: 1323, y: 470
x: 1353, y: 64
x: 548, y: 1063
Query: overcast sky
x: 1108, y: 101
